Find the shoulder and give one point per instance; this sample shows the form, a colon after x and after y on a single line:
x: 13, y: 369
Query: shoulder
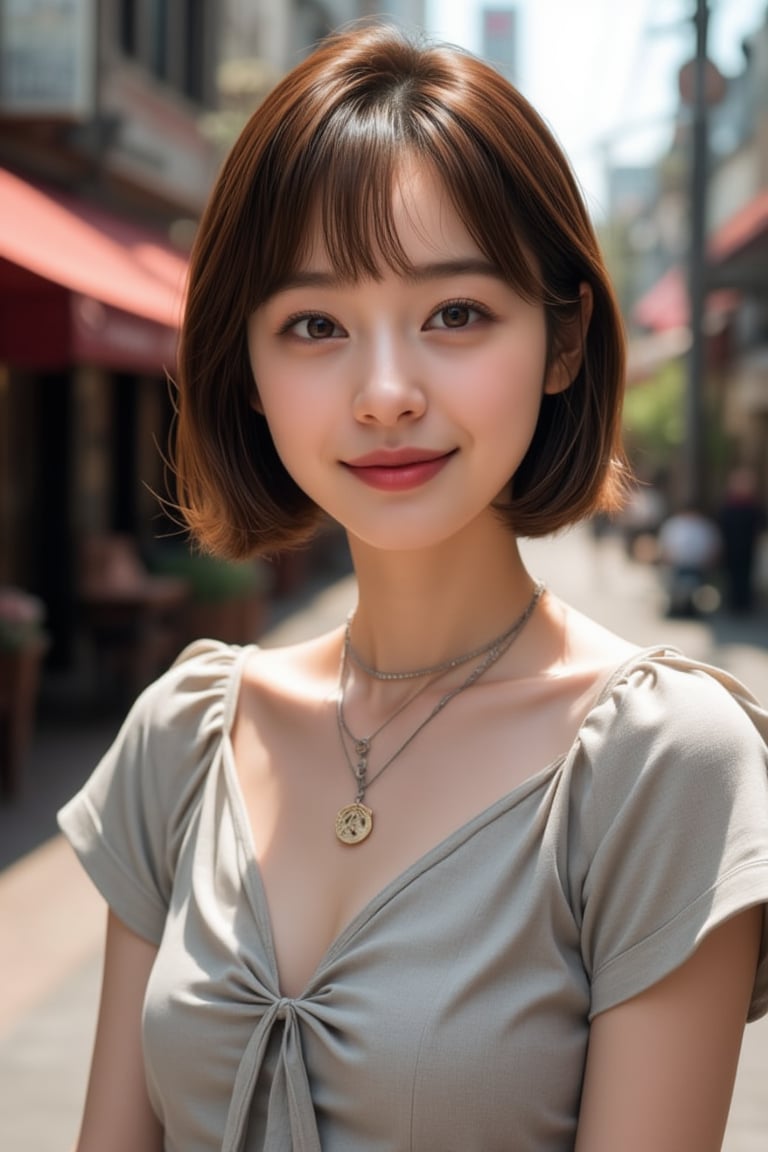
x: 198, y: 692
x: 129, y: 819
x: 670, y: 737
x: 659, y: 697
x: 295, y: 674
x: 640, y: 704
x: 673, y: 748
x: 167, y: 742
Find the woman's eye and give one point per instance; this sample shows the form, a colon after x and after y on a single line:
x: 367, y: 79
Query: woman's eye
x: 314, y: 327
x: 458, y: 314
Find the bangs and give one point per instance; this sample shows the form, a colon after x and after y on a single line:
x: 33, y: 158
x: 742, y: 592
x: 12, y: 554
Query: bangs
x: 343, y: 185
x: 356, y: 167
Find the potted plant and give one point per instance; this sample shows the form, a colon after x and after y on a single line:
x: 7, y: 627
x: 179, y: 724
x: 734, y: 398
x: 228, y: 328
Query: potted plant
x: 227, y: 599
x: 23, y: 642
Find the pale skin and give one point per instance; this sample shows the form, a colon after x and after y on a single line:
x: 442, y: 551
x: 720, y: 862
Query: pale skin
x: 454, y: 362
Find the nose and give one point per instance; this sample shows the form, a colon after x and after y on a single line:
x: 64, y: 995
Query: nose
x: 389, y: 390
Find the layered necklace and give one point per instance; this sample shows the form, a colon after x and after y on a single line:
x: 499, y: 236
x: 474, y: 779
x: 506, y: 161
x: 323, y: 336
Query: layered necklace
x: 354, y: 822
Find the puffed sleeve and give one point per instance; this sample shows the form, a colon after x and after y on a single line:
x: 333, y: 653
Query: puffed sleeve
x: 128, y: 820
x: 672, y: 819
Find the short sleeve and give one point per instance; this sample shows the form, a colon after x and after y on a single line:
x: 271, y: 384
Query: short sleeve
x: 128, y: 820
x: 673, y: 823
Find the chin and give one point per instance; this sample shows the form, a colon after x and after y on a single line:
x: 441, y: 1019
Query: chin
x: 417, y: 535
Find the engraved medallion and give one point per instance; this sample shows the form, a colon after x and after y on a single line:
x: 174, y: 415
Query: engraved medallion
x: 354, y: 823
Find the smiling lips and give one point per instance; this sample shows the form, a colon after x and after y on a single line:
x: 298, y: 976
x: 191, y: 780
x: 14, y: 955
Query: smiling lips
x: 398, y: 470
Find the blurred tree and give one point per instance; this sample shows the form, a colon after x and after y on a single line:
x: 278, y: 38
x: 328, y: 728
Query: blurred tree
x: 654, y: 423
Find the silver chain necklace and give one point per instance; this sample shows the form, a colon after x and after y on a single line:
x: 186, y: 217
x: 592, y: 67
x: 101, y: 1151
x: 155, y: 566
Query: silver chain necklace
x: 433, y: 669
x: 354, y: 822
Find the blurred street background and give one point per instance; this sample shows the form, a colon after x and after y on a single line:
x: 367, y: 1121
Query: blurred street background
x: 115, y: 116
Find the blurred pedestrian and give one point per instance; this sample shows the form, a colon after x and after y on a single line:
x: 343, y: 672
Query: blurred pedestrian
x: 641, y: 517
x: 742, y: 521
x: 469, y: 871
x: 688, y: 553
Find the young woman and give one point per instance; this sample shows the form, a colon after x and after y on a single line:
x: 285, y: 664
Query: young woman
x: 469, y: 872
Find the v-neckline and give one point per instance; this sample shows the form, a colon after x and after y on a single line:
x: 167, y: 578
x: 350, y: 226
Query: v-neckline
x: 251, y: 871
x: 430, y: 858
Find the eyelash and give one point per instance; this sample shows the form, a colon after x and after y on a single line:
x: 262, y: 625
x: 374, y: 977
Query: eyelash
x: 460, y: 302
x: 297, y: 317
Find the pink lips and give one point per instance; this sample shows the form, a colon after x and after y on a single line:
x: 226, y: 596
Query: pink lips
x: 399, y: 469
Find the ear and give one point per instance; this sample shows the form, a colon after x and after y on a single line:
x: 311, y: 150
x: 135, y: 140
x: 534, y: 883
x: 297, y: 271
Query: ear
x: 565, y: 367
x: 255, y: 400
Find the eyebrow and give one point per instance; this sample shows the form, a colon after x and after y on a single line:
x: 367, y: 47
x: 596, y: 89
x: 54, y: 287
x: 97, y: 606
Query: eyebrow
x: 417, y: 274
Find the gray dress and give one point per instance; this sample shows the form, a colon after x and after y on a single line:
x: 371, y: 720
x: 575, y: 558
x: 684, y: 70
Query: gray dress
x: 453, y: 1012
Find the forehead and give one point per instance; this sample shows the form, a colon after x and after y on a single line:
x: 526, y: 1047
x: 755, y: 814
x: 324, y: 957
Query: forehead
x: 422, y: 225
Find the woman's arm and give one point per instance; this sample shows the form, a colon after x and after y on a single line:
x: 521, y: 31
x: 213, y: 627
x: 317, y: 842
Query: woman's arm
x: 117, y: 1114
x: 661, y: 1067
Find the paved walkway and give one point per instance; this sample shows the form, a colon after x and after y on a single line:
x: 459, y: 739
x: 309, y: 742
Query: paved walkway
x: 52, y: 921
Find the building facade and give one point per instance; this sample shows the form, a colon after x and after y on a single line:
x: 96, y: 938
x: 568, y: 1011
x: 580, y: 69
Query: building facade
x: 103, y: 169
x: 734, y: 386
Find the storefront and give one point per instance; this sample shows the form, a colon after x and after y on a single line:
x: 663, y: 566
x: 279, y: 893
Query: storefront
x: 89, y: 312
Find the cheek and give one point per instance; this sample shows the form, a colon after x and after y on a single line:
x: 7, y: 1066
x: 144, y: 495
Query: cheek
x: 509, y: 385
x: 298, y: 421
x: 288, y: 421
x: 276, y: 393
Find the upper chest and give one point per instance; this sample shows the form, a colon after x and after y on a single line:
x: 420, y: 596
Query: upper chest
x: 293, y: 776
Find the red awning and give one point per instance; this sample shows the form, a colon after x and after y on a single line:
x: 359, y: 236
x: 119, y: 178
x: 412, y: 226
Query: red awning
x: 132, y: 278
x: 664, y: 307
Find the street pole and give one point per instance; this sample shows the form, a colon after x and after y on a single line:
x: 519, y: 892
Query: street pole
x: 695, y: 385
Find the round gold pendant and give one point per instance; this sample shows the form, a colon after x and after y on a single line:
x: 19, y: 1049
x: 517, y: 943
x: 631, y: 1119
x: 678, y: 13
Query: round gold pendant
x: 353, y: 823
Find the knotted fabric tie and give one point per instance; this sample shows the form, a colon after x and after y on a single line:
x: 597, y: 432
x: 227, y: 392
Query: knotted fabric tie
x: 291, y: 1123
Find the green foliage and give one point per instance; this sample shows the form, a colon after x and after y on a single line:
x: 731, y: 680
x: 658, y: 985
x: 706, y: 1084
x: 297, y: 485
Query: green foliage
x: 655, y: 427
x: 211, y: 580
x: 654, y: 415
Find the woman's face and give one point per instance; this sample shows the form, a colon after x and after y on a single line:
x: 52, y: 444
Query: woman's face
x: 403, y: 405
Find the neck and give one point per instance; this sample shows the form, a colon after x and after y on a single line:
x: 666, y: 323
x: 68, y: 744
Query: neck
x: 421, y: 608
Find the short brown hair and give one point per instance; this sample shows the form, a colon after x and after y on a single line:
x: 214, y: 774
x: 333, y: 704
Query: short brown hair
x: 330, y: 138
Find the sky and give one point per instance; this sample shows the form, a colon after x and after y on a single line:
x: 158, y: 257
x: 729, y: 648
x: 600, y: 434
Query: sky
x: 603, y: 73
